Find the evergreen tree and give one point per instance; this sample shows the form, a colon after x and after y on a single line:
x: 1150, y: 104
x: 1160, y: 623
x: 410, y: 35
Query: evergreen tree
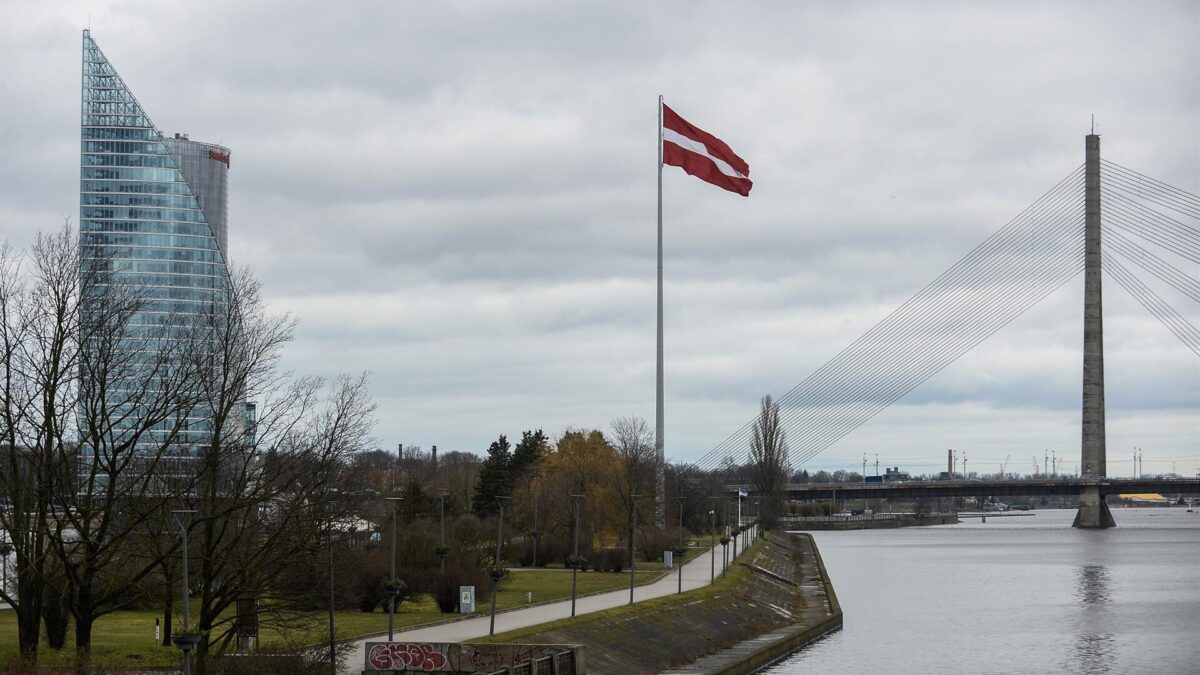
x: 495, y: 478
x: 528, y: 452
x: 416, y: 503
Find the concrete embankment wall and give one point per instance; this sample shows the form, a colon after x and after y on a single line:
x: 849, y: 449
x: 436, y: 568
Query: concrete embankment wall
x: 821, y: 614
x: 868, y: 523
x: 778, y: 585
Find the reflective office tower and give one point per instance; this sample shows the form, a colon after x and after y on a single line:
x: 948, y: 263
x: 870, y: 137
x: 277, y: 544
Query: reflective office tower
x: 153, y: 215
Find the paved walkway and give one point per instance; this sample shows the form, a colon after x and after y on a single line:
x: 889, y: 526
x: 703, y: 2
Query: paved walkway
x: 695, y: 575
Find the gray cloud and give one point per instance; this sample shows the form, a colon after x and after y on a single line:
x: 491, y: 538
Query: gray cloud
x: 459, y: 196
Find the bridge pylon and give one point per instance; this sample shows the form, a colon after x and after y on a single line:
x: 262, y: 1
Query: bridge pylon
x: 1093, y: 509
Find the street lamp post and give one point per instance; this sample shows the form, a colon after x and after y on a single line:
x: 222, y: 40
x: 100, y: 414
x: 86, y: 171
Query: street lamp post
x: 442, y: 550
x: 185, y: 641
x: 392, y: 587
x: 632, y: 544
x: 535, y: 534
x: 332, y: 600
x: 680, y: 551
x: 497, y: 574
x: 728, y: 530
x: 574, y: 548
x: 712, y: 534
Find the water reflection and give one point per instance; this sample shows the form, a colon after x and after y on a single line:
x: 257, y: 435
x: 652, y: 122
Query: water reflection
x: 1094, y: 652
x: 1091, y: 585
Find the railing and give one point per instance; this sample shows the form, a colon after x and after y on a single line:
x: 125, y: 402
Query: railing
x: 862, y: 516
x: 562, y: 663
x: 839, y: 517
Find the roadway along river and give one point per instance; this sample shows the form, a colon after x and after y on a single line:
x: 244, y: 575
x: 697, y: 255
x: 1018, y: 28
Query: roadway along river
x: 1015, y: 595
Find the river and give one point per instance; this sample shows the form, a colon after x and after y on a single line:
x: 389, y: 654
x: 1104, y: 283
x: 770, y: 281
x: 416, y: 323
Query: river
x: 1015, y: 595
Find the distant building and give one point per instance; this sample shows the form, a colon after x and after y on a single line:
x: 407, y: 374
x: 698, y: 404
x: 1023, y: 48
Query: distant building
x: 894, y: 474
x: 153, y: 213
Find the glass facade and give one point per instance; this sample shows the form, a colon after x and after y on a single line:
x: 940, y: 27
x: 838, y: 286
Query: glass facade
x: 152, y: 214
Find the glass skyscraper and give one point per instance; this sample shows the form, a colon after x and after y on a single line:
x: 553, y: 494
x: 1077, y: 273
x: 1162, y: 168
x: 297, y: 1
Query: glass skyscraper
x: 152, y: 213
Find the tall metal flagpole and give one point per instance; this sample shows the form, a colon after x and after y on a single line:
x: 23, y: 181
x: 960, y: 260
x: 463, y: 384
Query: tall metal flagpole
x: 660, y: 511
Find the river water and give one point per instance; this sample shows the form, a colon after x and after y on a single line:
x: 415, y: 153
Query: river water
x: 1015, y: 595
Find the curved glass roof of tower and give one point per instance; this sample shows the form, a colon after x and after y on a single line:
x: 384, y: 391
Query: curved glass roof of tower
x: 152, y: 211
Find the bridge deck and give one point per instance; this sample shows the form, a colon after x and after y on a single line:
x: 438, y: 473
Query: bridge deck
x: 987, y: 488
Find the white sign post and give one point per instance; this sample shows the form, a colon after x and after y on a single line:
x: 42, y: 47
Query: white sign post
x: 466, y: 599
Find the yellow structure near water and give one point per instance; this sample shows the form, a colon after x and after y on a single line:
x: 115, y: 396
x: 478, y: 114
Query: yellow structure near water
x: 1148, y: 497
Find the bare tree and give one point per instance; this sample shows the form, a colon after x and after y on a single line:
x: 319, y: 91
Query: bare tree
x: 769, y: 456
x: 694, y: 487
x: 93, y: 396
x: 135, y: 396
x: 633, y: 443
x: 262, y: 487
x: 96, y: 399
x: 39, y: 307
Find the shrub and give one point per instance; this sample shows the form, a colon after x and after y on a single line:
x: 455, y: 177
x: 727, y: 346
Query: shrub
x: 611, y: 560
x: 653, y: 543
x: 547, y: 551
x: 811, y: 509
x: 445, y: 587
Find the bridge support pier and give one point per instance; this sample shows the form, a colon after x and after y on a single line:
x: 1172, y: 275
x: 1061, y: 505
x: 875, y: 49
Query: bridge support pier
x: 1093, y: 510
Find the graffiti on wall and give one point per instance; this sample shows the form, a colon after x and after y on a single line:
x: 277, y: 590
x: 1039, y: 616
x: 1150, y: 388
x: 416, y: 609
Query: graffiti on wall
x: 433, y: 657
x: 407, y: 656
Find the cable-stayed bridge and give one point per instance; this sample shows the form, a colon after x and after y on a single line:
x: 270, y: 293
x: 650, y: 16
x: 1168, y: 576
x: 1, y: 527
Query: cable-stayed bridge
x: 993, y: 488
x: 1102, y: 217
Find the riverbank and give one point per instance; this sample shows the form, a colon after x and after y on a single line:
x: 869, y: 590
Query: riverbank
x: 879, y: 521
x: 819, y: 619
x: 776, y: 599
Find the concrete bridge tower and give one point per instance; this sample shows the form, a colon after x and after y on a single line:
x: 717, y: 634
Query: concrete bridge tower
x: 1093, y: 510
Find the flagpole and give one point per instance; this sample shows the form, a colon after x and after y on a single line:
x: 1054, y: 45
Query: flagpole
x: 660, y: 513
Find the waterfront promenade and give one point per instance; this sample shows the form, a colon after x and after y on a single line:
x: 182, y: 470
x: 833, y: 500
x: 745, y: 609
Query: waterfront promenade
x: 696, y: 574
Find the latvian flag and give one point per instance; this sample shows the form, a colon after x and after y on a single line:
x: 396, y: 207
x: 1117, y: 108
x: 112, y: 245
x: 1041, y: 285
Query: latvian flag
x: 703, y: 155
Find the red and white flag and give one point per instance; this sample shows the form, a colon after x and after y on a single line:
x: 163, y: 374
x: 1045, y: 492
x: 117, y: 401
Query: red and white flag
x: 702, y: 155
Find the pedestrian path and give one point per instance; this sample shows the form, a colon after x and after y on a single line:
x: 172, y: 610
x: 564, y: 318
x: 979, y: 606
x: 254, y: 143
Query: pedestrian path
x: 696, y: 574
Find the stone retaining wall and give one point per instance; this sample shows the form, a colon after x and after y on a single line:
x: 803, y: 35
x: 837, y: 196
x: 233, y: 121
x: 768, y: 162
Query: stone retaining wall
x: 778, y: 585
x: 822, y: 615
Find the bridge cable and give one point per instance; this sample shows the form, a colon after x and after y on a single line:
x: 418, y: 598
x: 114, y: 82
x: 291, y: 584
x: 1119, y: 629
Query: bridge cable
x: 1015, y: 227
x: 1122, y: 184
x: 737, y: 436
x: 1137, y: 200
x: 924, y: 368
x: 1167, y: 195
x: 1168, y: 273
x: 1131, y: 224
x: 1143, y: 178
x: 1188, y: 334
x: 1151, y: 196
x: 812, y: 448
x: 1169, y: 228
x: 929, y: 352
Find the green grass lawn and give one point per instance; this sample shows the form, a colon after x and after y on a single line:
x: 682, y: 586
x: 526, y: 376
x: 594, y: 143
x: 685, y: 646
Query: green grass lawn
x: 124, y: 639
x: 735, y: 575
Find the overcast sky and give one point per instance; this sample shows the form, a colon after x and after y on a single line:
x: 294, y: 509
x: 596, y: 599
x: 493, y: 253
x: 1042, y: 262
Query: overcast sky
x: 460, y: 198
